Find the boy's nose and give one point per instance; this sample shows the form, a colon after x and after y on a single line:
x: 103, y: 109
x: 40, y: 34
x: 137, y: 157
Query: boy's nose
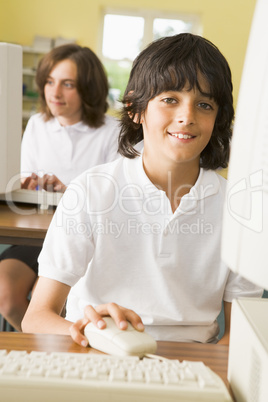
x: 186, y: 116
x: 56, y: 90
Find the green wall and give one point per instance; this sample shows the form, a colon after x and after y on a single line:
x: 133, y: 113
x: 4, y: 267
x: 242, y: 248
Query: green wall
x: 225, y: 22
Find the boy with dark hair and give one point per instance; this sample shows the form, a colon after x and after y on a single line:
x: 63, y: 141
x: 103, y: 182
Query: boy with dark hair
x: 139, y: 238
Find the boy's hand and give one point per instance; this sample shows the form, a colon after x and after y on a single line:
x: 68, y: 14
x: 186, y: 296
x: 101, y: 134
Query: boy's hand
x: 120, y: 315
x: 47, y: 182
x: 51, y: 183
x: 30, y: 182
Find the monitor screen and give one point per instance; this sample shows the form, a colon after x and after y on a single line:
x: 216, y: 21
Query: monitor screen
x: 10, y: 115
x: 245, y: 223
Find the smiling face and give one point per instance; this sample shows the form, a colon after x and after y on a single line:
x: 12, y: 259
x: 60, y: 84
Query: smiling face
x: 177, y: 126
x: 62, y: 97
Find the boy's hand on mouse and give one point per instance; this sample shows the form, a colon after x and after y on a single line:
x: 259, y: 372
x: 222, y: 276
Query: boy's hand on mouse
x: 120, y: 315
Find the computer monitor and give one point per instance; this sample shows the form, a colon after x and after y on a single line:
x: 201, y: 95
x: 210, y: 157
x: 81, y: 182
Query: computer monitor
x: 245, y: 221
x: 10, y: 115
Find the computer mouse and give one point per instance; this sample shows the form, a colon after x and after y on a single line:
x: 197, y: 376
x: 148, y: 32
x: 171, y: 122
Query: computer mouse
x: 115, y: 341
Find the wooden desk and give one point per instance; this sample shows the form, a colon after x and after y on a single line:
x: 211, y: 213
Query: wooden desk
x: 214, y: 356
x: 23, y: 225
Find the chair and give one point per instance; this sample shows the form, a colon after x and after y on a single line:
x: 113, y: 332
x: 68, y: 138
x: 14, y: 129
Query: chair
x: 5, y: 326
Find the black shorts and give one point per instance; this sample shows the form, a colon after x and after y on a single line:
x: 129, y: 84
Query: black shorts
x: 26, y: 254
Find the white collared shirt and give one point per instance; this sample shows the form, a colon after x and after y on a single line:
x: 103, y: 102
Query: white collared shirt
x: 49, y: 148
x: 114, y: 238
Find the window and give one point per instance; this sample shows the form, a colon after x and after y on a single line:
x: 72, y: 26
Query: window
x: 126, y: 33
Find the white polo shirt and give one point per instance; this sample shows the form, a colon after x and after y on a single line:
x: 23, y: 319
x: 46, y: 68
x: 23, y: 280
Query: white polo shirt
x: 49, y: 148
x: 114, y: 238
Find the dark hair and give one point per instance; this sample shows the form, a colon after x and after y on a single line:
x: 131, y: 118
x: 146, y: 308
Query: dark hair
x: 169, y: 64
x: 92, y: 83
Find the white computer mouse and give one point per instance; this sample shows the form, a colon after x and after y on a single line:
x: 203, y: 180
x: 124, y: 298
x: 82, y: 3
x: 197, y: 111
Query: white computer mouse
x: 115, y: 341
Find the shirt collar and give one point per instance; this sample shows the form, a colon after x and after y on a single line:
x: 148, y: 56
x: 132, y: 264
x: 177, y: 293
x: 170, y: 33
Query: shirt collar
x: 136, y: 175
x: 207, y: 183
x: 54, y: 125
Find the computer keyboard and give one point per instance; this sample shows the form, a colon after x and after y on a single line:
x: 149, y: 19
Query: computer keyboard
x: 81, y: 377
x: 38, y: 197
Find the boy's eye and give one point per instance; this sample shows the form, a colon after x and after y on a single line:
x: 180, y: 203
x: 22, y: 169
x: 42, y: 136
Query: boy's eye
x: 69, y: 84
x: 169, y: 100
x: 205, y: 106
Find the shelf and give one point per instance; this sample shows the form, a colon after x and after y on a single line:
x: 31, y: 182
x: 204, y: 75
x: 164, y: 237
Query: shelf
x: 28, y: 49
x: 31, y: 58
x: 29, y: 71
